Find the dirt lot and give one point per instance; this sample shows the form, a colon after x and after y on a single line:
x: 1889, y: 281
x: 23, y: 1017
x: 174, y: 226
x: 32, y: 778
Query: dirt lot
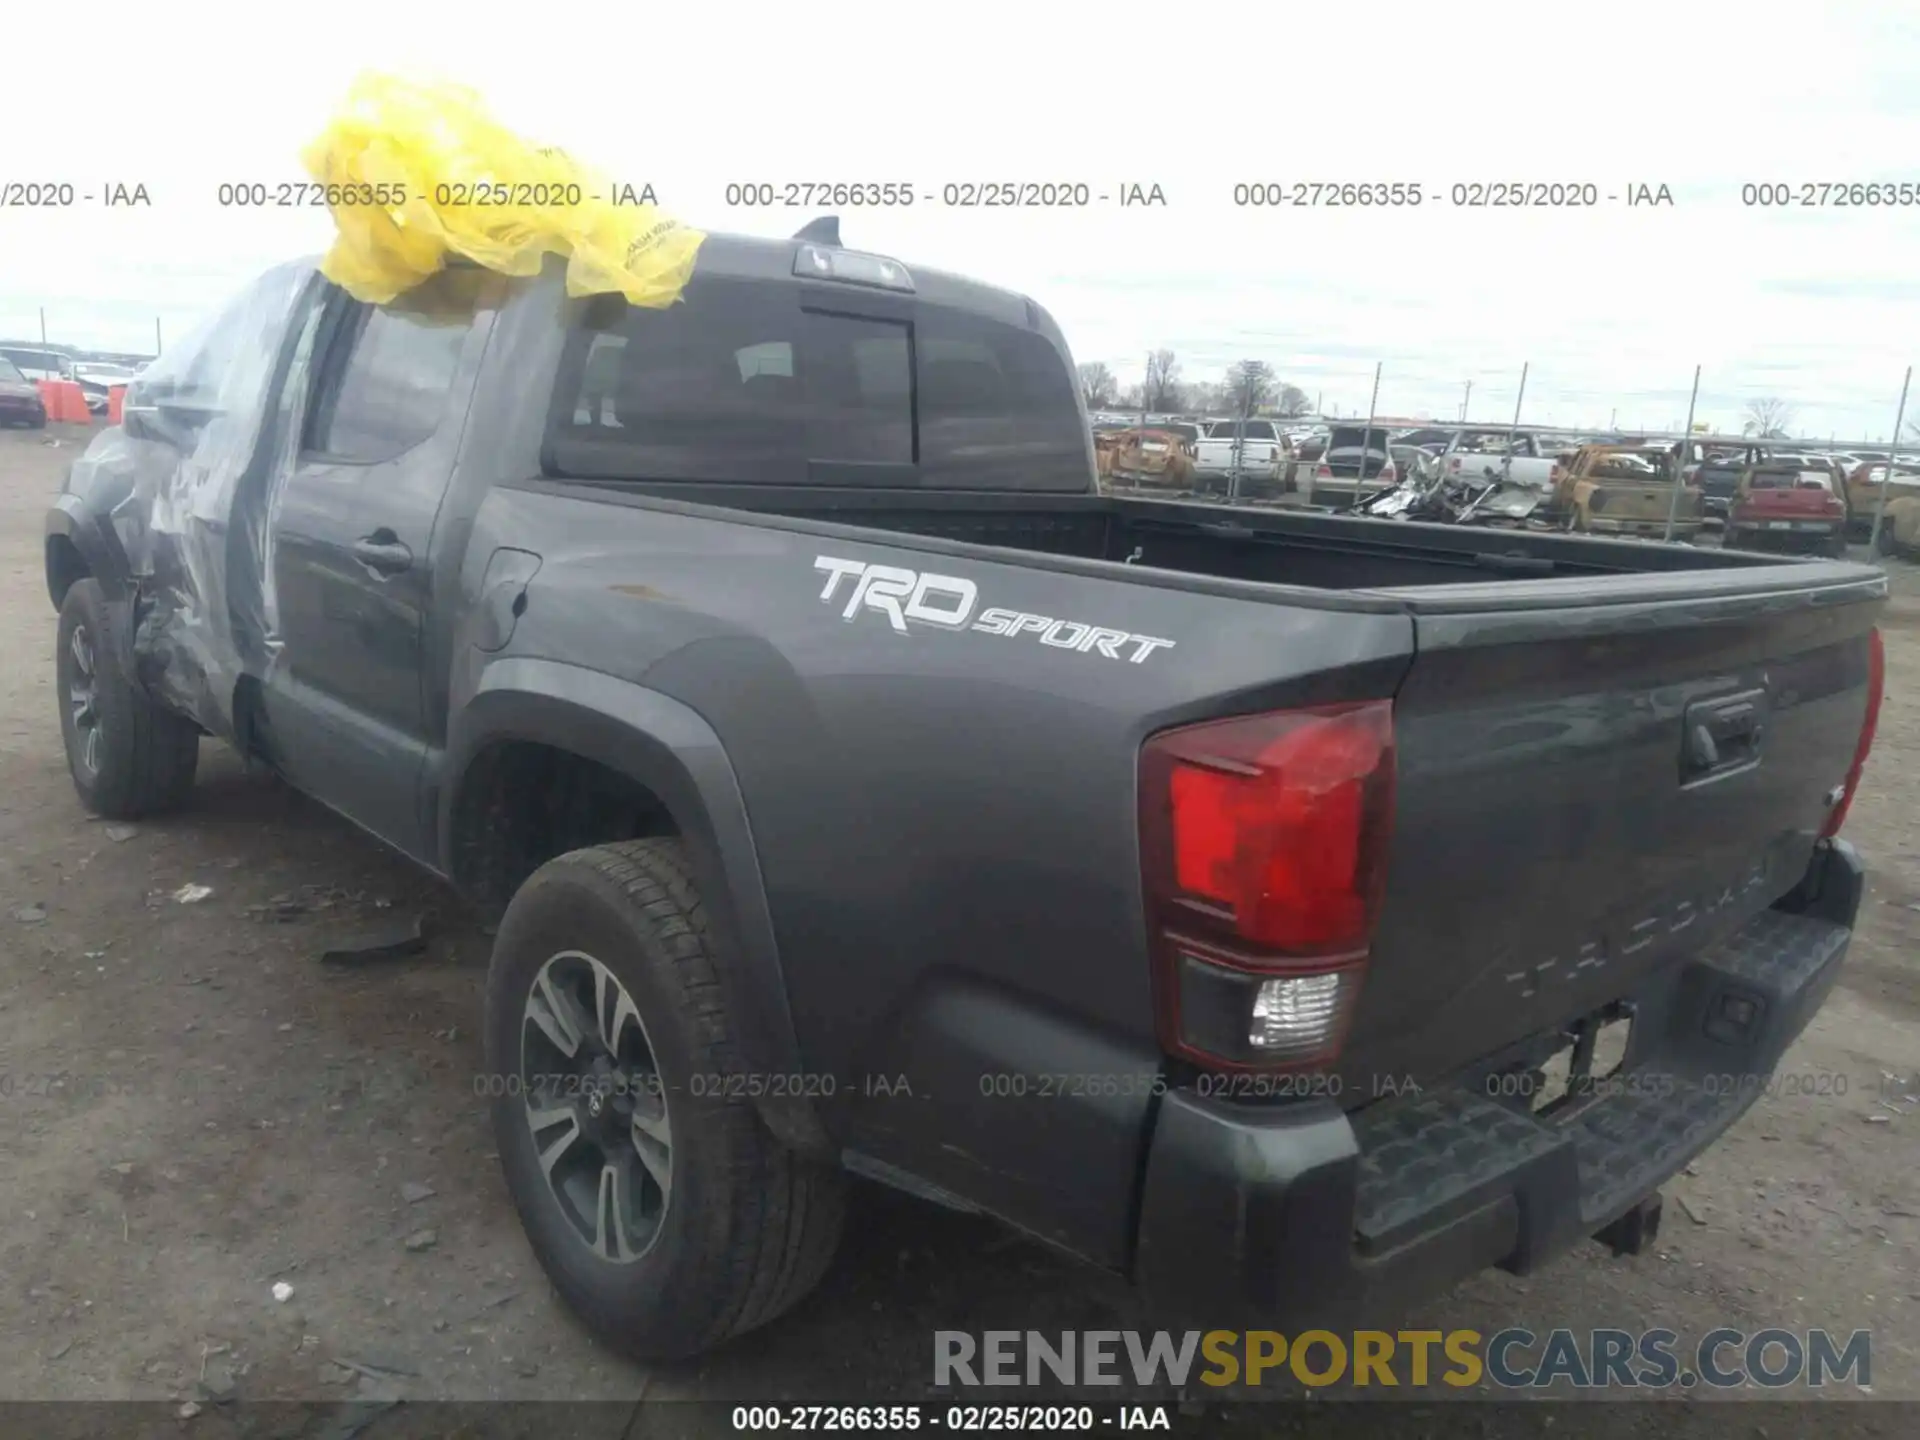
x: 193, y: 1108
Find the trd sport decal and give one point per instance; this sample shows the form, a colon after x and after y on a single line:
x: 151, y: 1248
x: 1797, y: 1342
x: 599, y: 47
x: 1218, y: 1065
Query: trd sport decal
x: 947, y: 602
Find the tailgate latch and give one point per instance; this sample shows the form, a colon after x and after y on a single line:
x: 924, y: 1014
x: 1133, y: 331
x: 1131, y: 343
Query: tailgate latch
x: 1720, y: 737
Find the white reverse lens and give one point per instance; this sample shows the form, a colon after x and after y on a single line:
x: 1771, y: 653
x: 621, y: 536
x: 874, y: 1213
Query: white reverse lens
x: 1295, y: 1016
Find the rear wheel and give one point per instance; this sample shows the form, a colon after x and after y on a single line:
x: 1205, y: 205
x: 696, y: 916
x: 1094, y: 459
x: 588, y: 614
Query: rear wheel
x: 128, y: 756
x: 661, y: 1207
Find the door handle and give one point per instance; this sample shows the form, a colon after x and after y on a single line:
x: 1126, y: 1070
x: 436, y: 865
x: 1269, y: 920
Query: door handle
x: 383, y: 552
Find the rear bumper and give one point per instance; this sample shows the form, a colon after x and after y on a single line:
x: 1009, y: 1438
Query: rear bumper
x: 1254, y: 481
x: 1653, y: 529
x: 1806, y: 536
x: 1307, y: 1215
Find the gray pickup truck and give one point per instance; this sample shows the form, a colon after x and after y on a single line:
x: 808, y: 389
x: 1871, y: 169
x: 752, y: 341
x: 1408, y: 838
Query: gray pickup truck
x: 1292, y: 912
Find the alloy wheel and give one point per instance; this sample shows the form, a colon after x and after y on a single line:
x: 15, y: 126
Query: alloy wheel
x: 83, y: 700
x: 596, y: 1106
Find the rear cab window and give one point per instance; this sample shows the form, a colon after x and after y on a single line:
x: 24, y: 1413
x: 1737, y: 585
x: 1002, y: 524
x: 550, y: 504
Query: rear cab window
x: 755, y: 381
x: 1495, y: 442
x: 1352, y: 437
x: 1243, y: 429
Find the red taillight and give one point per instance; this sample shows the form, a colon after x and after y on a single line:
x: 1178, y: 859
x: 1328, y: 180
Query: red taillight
x: 1263, y: 844
x: 1323, y: 471
x: 1876, y: 689
x: 1390, y: 473
x: 1553, y: 475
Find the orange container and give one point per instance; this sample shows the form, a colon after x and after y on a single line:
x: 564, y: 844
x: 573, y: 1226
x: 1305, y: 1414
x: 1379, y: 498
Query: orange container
x: 116, y: 400
x: 65, y: 401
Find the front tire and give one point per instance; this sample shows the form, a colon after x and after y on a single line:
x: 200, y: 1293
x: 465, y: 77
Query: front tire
x: 128, y: 756
x: 656, y: 1200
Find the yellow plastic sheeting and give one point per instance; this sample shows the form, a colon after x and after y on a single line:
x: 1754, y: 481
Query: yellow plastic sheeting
x: 424, y: 173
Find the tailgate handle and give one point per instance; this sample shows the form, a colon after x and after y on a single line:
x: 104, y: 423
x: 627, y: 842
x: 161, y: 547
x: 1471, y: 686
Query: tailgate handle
x: 1723, y: 735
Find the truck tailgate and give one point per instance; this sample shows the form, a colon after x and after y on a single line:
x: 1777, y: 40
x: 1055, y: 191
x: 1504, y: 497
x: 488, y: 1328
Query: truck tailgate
x: 1588, y: 792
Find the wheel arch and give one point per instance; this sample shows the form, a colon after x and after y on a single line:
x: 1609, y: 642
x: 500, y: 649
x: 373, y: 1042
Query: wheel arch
x: 673, y: 754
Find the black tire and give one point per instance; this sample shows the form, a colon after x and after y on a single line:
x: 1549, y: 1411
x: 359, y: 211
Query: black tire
x: 142, y: 757
x: 746, y: 1227
x: 38, y: 422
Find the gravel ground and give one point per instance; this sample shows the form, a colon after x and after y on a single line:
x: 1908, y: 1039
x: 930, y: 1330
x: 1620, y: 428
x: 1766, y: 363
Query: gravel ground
x: 194, y: 1108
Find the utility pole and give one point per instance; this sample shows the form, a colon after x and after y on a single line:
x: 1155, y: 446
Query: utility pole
x: 1679, y: 476
x: 1366, y: 438
x: 1145, y: 381
x: 1613, y: 417
x: 1893, y: 455
x: 157, y: 347
x: 43, y: 324
x: 1464, y: 401
x: 1506, y: 467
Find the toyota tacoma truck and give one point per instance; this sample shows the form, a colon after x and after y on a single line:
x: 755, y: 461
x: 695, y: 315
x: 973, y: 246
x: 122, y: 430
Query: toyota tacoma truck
x: 1790, y: 505
x: 1294, y: 913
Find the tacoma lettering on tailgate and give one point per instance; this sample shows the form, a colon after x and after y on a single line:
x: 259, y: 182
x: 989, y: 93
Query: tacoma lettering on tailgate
x: 1628, y: 937
x: 948, y: 602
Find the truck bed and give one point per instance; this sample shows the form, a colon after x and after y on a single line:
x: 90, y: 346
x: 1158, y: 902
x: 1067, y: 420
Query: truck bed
x: 1311, y: 549
x: 1551, y: 820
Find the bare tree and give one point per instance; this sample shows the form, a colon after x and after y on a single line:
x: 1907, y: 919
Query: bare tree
x: 1206, y: 396
x: 1162, y: 387
x: 1249, y: 385
x: 1767, y: 418
x: 1097, y: 384
x: 1292, y: 402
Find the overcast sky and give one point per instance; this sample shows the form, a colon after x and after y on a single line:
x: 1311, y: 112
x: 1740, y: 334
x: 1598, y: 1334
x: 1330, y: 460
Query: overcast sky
x: 1612, y: 306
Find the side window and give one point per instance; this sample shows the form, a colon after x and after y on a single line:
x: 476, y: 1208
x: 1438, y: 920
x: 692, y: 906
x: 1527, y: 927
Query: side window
x: 224, y: 364
x: 209, y: 390
x: 740, y: 385
x: 385, y: 383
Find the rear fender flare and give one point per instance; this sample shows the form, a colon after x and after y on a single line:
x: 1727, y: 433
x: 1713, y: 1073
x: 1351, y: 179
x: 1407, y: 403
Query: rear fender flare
x: 664, y: 745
